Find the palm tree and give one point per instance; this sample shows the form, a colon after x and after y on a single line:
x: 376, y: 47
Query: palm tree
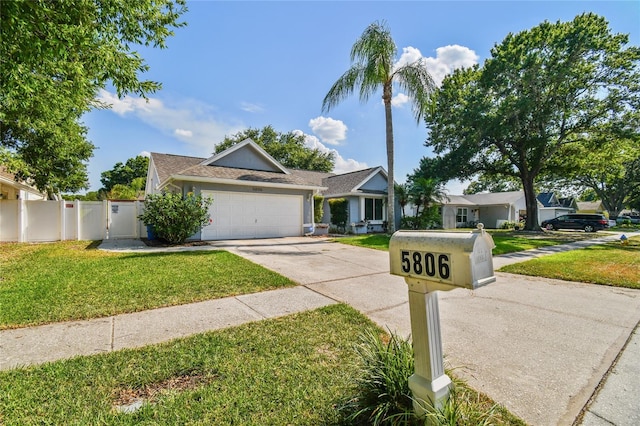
x: 402, y: 195
x: 425, y: 192
x: 372, y: 58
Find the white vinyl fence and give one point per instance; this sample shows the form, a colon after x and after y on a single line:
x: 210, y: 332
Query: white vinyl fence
x: 37, y: 221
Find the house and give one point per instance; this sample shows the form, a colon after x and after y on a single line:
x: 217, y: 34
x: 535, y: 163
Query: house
x: 492, y: 209
x: 366, y: 193
x: 257, y: 197
x: 10, y: 189
x: 591, y: 207
x: 552, y: 207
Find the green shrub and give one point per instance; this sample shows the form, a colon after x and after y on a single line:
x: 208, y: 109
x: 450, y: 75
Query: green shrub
x: 318, y: 211
x: 339, y: 212
x: 513, y: 225
x: 428, y: 219
x: 175, y: 218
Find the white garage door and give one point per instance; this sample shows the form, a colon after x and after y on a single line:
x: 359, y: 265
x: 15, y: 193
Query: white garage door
x: 238, y: 215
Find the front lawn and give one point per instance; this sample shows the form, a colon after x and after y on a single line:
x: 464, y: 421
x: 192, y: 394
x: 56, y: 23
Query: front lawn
x: 295, y: 370
x: 506, y: 241
x: 42, y: 283
x: 610, y: 264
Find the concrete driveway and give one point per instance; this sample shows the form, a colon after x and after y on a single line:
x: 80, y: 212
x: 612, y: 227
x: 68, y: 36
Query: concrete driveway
x: 538, y: 346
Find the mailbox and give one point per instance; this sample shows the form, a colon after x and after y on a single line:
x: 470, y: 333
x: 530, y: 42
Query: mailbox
x: 431, y: 261
x: 443, y: 260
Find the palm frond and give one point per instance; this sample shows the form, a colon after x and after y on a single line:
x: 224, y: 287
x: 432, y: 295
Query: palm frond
x: 414, y: 78
x: 343, y: 87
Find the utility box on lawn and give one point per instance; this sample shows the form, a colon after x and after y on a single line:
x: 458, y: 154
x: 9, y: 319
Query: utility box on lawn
x: 445, y: 259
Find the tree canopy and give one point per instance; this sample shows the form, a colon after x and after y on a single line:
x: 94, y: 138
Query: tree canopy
x: 125, y: 174
x: 542, y: 92
x: 373, y: 69
x: 288, y: 148
x: 55, y: 56
x: 610, y: 169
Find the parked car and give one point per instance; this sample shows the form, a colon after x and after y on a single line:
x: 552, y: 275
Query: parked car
x: 623, y: 218
x: 588, y: 222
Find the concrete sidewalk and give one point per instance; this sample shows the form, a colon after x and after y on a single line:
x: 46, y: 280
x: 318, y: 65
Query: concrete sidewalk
x: 540, y: 347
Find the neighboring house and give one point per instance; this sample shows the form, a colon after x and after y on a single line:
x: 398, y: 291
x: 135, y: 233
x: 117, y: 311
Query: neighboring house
x: 552, y: 207
x: 491, y: 209
x: 10, y: 189
x: 592, y: 207
x: 254, y: 196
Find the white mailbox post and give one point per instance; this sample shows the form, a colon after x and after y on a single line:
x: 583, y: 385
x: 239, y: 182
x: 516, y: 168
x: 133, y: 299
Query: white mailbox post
x: 432, y: 261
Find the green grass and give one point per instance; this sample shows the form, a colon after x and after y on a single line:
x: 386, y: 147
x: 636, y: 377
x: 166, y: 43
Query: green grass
x: 42, y: 283
x: 374, y: 241
x: 295, y: 370
x: 609, y: 264
x: 506, y: 241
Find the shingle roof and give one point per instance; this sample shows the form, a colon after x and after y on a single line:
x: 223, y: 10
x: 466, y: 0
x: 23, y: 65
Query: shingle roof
x: 5, y: 174
x: 494, y: 198
x: 590, y: 205
x: 545, y: 198
x: 168, y: 165
x: 459, y: 200
x: 345, y: 183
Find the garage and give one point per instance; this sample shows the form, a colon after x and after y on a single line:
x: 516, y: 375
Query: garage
x: 240, y: 215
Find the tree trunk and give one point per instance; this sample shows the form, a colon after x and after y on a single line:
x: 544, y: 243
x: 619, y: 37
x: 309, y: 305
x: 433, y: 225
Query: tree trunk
x: 531, y: 223
x: 391, y: 219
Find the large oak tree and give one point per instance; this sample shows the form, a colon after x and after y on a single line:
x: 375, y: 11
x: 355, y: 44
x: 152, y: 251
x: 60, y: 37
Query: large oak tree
x: 55, y: 55
x: 541, y: 91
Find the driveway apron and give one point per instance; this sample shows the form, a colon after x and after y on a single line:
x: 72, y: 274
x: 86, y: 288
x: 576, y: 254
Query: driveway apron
x: 538, y: 346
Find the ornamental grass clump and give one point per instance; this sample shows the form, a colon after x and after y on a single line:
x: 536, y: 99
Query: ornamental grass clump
x: 175, y: 218
x: 383, y: 396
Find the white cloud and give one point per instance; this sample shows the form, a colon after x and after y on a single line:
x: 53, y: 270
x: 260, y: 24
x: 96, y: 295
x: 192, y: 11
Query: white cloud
x: 329, y: 130
x: 183, y: 132
x: 399, y: 100
x: 145, y: 154
x: 448, y: 58
x: 192, y: 123
x: 342, y: 165
x: 249, y: 107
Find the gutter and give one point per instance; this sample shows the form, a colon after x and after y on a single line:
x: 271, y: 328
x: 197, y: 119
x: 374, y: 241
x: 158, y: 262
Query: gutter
x: 240, y: 183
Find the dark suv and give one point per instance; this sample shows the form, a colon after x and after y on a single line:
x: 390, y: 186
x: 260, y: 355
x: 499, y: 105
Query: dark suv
x: 588, y: 222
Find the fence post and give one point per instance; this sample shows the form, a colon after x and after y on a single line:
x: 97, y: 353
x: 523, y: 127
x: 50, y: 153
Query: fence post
x: 21, y: 224
x: 62, y: 227
x: 107, y: 217
x: 78, y: 216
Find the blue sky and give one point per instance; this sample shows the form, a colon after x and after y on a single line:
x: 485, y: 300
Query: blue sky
x: 241, y: 64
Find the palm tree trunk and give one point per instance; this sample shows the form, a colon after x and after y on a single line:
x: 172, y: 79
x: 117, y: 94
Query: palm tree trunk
x: 386, y: 96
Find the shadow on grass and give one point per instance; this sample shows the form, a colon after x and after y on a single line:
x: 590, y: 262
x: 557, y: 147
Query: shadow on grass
x: 93, y: 245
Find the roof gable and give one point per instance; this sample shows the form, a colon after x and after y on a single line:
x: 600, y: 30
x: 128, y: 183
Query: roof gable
x: 548, y: 199
x: 352, y: 182
x: 246, y: 155
x: 9, y: 179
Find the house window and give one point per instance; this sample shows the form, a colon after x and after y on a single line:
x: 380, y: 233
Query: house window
x: 461, y: 215
x: 373, y: 209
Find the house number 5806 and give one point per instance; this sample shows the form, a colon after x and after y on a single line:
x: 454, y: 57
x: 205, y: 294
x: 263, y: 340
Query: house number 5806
x: 432, y: 265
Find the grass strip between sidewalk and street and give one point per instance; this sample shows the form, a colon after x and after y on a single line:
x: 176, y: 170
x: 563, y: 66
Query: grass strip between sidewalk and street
x: 71, y: 280
x: 612, y: 264
x: 505, y: 241
x: 295, y: 370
